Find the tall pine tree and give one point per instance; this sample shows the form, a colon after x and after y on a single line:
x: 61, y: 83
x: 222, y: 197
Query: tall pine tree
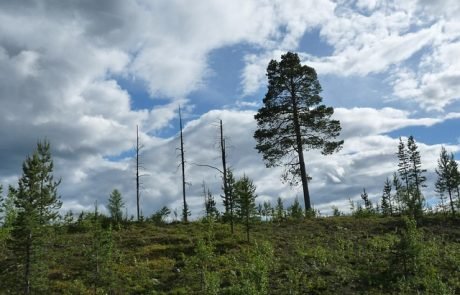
x: 36, y: 203
x: 293, y: 120
x: 412, y: 177
x: 447, y: 177
x: 416, y: 175
x: 387, y: 208
x: 403, y: 172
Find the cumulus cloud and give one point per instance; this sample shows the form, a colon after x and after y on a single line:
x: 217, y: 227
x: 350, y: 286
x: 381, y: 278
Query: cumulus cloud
x: 365, y: 161
x: 58, y: 81
x: 57, y: 71
x: 435, y: 83
x: 380, y: 121
x: 382, y: 37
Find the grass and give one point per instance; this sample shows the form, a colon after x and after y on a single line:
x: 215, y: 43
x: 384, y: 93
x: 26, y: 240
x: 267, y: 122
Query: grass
x: 313, y: 256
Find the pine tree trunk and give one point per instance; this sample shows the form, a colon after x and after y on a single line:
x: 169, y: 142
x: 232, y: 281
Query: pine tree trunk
x: 303, y: 172
x: 391, y: 207
x: 247, y: 226
x: 27, y: 265
x: 458, y: 195
x: 231, y: 218
x: 451, y: 202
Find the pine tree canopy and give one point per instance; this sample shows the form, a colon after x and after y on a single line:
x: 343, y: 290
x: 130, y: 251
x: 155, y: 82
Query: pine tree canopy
x: 415, y: 172
x: 447, y: 172
x: 293, y: 119
x: 115, y: 206
x: 386, y: 198
x: 245, y: 201
x: 37, y: 191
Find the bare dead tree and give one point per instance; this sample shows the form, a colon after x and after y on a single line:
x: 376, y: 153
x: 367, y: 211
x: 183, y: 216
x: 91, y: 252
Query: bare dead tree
x: 228, y: 199
x: 185, y: 211
x: 224, y: 168
x: 137, y: 172
x: 139, y: 167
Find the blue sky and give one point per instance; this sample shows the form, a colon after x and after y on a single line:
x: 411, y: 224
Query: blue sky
x: 84, y: 76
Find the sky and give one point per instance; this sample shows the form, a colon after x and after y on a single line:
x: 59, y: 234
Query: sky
x: 84, y: 73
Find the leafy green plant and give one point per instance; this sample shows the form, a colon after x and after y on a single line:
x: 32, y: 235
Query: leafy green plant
x: 253, y: 270
x: 202, y: 266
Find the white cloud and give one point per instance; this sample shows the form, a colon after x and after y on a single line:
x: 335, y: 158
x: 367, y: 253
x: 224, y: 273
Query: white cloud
x: 362, y: 43
x: 435, y: 84
x: 379, y: 121
x: 374, y: 54
x: 382, y: 37
x: 172, y: 57
x: 365, y: 161
x: 58, y: 61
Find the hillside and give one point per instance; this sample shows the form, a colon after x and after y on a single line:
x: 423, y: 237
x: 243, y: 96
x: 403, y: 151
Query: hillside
x: 332, y: 255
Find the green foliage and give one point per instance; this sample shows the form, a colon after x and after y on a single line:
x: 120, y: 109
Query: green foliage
x: 159, y: 217
x: 229, y: 198
x: 8, y: 209
x: 412, y: 265
x: 280, y: 214
x: 295, y: 211
x: 69, y: 218
x: 306, y: 260
x: 1, y: 203
x: 37, y: 191
x: 284, y: 96
x: 85, y: 222
x: 251, y: 274
x: 367, y: 203
x: 386, y: 203
x: 312, y: 256
x: 202, y: 267
x: 400, y: 194
x: 312, y: 213
x: 36, y: 203
x: 245, y: 202
x: 267, y: 211
x: 100, y: 255
x: 412, y: 178
x: 363, y: 212
x: 293, y: 119
x: 115, y: 206
x: 415, y: 172
x: 448, y: 177
x: 403, y: 164
x: 210, y: 205
x: 409, y: 250
x: 4, y: 230
x: 186, y: 213
x: 216, y: 270
x: 336, y: 212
